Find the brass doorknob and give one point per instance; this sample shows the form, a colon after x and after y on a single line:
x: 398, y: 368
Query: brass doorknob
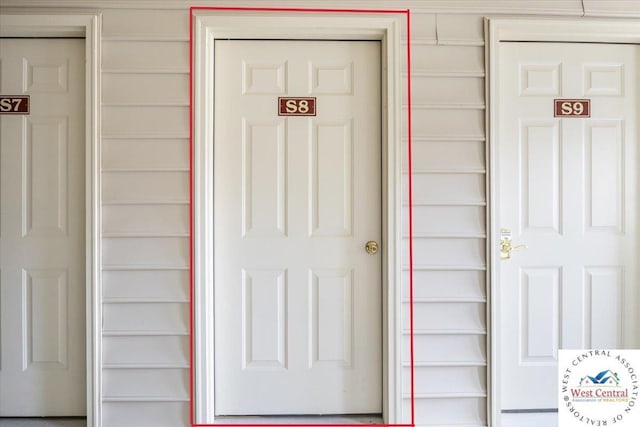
x: 371, y: 247
x: 506, y: 244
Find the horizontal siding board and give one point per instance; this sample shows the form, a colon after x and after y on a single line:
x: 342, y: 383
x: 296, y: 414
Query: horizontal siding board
x: 447, y: 156
x: 139, y: 88
x: 440, y: 412
x: 446, y: 284
x: 119, y: 187
x: 145, y: 351
x: 565, y: 7
x: 145, y: 414
x: 447, y: 317
x: 145, y: 121
x: 145, y: 23
x: 423, y: 27
x: 446, y: 59
x: 157, y: 318
x: 145, y: 285
x: 145, y: 220
x: 143, y: 251
x: 627, y: 8
x: 440, y: 90
x: 447, y: 220
x: 460, y: 29
x: 447, y: 123
x: 447, y: 251
x: 146, y: 383
x: 446, y: 348
x: 150, y: 56
x: 450, y: 379
x: 145, y: 154
x: 452, y: 188
x: 453, y: 6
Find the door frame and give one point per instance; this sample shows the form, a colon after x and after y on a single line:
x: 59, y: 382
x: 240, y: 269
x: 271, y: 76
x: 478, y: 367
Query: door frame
x: 498, y: 30
x: 207, y: 26
x: 61, y: 23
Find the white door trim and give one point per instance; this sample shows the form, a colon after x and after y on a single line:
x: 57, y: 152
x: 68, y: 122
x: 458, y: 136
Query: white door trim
x: 209, y: 25
x: 53, y: 23
x: 525, y: 29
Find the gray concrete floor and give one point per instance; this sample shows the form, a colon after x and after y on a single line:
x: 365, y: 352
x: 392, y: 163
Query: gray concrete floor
x: 43, y: 422
x: 508, y: 420
x: 549, y: 419
x: 323, y: 419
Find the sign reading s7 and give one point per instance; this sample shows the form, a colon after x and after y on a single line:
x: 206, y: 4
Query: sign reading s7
x: 14, y: 104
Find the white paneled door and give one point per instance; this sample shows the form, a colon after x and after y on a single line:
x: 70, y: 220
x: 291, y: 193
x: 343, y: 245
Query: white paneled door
x: 298, y: 324
x: 568, y: 189
x: 42, y: 294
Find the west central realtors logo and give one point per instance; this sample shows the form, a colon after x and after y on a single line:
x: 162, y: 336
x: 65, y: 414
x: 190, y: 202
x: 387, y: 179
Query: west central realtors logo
x: 598, y: 388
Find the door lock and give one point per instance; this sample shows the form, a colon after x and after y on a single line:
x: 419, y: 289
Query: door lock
x: 506, y: 244
x: 371, y: 247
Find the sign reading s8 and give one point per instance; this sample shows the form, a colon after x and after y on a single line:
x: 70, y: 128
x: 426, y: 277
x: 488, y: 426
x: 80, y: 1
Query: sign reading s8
x: 296, y: 106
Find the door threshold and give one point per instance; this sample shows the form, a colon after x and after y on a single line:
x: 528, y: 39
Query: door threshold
x: 300, y: 419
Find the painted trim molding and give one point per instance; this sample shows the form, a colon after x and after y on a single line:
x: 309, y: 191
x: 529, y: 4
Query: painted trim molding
x: 617, y: 8
x: 209, y: 25
x: 499, y: 30
x: 60, y: 23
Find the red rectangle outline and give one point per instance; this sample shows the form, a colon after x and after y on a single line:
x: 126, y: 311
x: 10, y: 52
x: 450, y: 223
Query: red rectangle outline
x: 407, y: 13
x: 556, y: 101
x: 309, y: 98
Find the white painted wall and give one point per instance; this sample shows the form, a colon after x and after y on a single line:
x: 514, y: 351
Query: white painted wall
x: 145, y: 65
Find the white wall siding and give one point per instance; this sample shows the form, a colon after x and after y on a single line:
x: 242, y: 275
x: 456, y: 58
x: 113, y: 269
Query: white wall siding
x: 614, y: 8
x: 453, y: 92
x: 132, y: 413
x: 146, y: 24
x: 450, y: 156
x: 449, y: 227
x: 460, y: 30
x: 439, y: 411
x: 139, y: 56
x: 145, y: 246
x: 448, y: 285
x: 142, y: 89
x: 437, y: 60
x: 125, y: 155
x: 145, y: 121
x: 458, y: 221
x: 145, y: 187
x: 135, y: 351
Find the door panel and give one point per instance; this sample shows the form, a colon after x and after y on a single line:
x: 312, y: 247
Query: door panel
x: 568, y: 189
x: 298, y: 325
x: 42, y: 285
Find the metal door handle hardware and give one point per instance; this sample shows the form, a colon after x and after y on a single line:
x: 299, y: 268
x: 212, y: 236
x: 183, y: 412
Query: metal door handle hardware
x: 371, y: 247
x: 506, y: 245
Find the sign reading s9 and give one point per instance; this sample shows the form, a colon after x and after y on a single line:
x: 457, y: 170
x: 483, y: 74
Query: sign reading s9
x: 572, y: 108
